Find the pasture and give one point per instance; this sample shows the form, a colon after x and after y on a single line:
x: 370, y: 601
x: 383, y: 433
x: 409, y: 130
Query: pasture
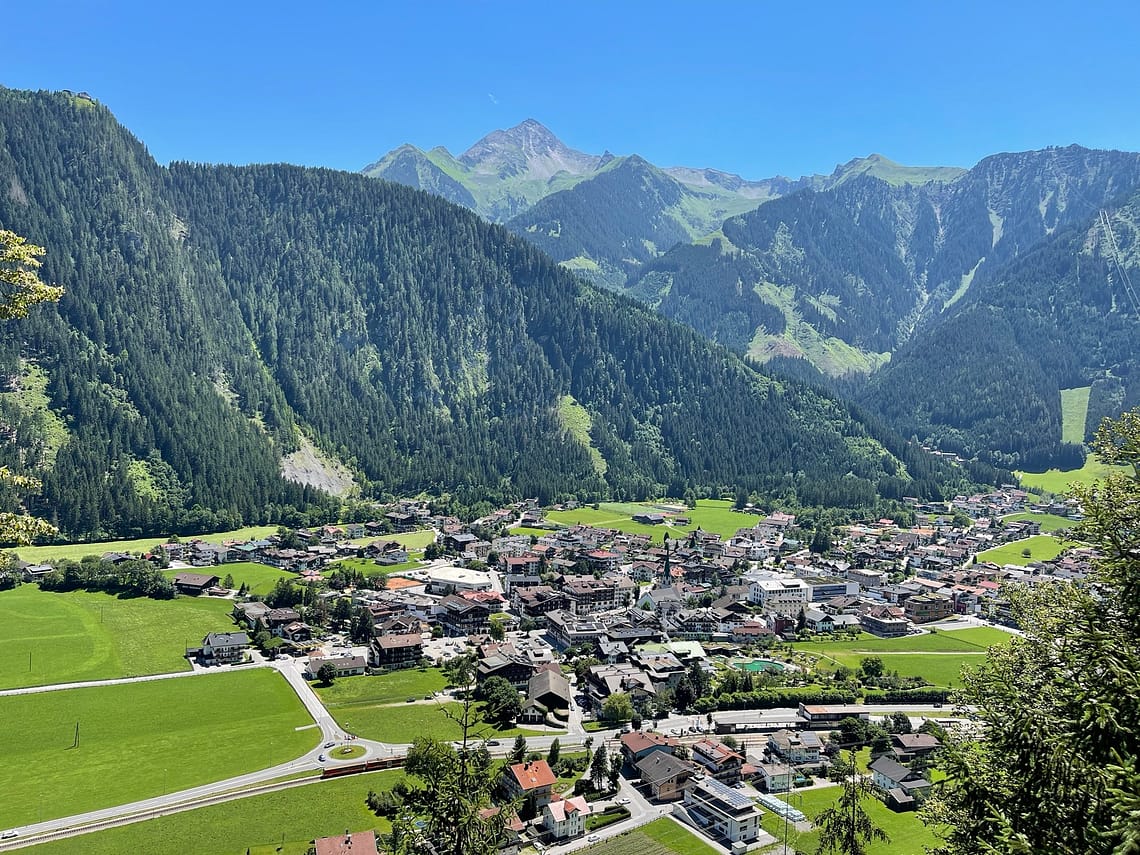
x: 280, y: 823
x: 48, y: 637
x: 1057, y: 481
x: 179, y: 733
x: 715, y: 515
x: 1041, y: 548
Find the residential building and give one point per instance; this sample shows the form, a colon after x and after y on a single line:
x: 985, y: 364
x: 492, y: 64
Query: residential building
x: 902, y: 787
x: 223, y: 648
x: 665, y: 775
x: 194, y: 584
x: 728, y: 814
x: 723, y: 763
x: 925, y: 608
x: 564, y: 819
x: 345, y: 666
x: 796, y: 747
x: 395, y: 651
x: 639, y: 744
x: 532, y: 781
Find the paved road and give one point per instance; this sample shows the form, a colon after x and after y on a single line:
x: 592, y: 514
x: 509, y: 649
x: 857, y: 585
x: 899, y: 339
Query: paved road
x: 59, y: 687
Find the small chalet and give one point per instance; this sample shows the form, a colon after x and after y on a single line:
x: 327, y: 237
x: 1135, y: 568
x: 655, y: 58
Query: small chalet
x: 665, y: 775
x: 194, y: 584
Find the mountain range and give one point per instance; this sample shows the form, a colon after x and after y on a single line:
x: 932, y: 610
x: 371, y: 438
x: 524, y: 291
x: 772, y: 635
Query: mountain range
x: 871, y: 274
x: 234, y: 345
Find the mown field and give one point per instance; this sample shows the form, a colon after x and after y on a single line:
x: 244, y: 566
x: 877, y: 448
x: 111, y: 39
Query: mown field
x: 937, y: 657
x: 139, y: 740
x: 908, y: 835
x: 660, y: 837
x: 716, y: 515
x: 1057, y: 481
x: 402, y: 722
x: 48, y: 637
x: 391, y: 688
x: 54, y: 552
x: 1041, y: 548
x: 1074, y: 411
x: 281, y: 823
x: 1048, y: 522
x: 259, y: 577
x: 79, y: 550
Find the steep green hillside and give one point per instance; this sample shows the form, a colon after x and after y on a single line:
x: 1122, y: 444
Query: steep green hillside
x: 215, y: 315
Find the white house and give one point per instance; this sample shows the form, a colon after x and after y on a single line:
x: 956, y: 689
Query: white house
x: 566, y: 818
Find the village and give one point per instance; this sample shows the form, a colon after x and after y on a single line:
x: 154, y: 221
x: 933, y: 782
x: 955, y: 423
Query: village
x: 708, y: 666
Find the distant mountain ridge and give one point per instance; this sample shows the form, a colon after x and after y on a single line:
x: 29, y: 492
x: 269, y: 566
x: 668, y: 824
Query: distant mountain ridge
x: 553, y: 195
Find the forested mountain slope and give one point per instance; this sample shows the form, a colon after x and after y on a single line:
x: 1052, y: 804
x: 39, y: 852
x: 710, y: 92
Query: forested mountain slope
x: 847, y: 276
x: 984, y: 378
x: 214, y: 316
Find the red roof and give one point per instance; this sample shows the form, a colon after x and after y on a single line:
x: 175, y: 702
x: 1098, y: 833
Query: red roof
x: 531, y: 776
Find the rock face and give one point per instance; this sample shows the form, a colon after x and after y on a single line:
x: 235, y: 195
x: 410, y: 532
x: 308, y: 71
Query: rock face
x: 527, y: 150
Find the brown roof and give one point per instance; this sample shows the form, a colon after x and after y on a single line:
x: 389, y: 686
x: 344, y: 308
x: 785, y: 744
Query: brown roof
x: 637, y: 741
x: 531, y: 776
x: 398, y: 640
x: 195, y: 580
x: 360, y: 843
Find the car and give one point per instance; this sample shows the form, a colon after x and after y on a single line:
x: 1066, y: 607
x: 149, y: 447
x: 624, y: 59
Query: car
x: 411, y: 700
x: 495, y: 742
x: 9, y: 834
x: 321, y: 759
x: 329, y: 744
x: 622, y: 801
x: 593, y: 838
x: 428, y: 697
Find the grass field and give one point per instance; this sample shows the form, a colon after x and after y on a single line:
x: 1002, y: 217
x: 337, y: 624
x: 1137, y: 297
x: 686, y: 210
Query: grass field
x: 974, y: 640
x: 660, y: 837
x: 403, y: 722
x: 716, y: 515
x: 1057, y: 481
x: 1041, y: 548
x: 260, y: 577
x: 79, y: 550
x: 908, y: 835
x: 369, y: 567
x: 1074, y: 410
x: 80, y: 635
x: 179, y: 733
x: 937, y: 657
x: 37, y: 554
x: 391, y: 688
x: 1049, y: 522
x: 259, y: 823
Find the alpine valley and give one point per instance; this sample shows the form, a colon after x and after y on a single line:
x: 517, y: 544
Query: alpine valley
x: 257, y: 344
x: 954, y: 304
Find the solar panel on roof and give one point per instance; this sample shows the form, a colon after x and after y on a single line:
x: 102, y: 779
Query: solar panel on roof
x: 734, y: 798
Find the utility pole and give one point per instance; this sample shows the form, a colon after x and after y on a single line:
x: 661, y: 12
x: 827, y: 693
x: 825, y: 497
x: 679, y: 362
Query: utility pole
x: 75, y: 744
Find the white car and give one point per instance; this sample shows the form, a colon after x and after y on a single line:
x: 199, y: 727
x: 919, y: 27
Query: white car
x: 8, y: 835
x: 623, y: 801
x: 593, y: 838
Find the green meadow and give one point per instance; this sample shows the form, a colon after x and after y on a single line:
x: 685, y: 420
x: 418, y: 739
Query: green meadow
x: 281, y: 823
x: 48, y: 637
x: 138, y: 740
x: 1040, y: 548
x: 714, y: 515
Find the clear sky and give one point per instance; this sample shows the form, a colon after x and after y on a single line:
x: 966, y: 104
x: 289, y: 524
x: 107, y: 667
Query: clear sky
x: 754, y: 87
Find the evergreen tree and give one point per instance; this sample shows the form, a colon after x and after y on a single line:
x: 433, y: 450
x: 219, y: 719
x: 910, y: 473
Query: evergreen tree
x: 1056, y: 770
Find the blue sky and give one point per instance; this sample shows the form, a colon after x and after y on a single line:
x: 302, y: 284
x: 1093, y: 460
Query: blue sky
x: 758, y: 88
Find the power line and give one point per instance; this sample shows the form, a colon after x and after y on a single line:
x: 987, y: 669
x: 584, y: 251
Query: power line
x: 1114, y: 249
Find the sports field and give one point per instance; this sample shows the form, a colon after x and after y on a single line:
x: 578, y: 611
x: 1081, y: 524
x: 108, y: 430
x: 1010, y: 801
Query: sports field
x: 281, y: 823
x: 138, y: 740
x: 48, y: 637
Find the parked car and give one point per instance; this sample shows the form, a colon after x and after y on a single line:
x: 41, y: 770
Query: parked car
x: 593, y: 838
